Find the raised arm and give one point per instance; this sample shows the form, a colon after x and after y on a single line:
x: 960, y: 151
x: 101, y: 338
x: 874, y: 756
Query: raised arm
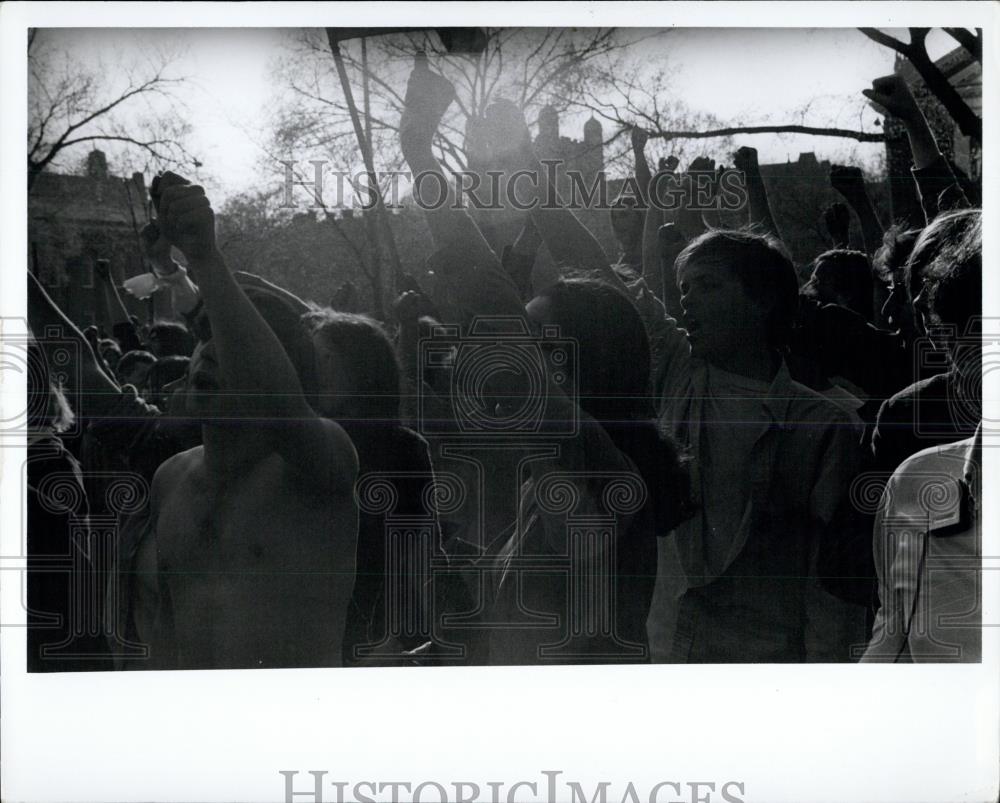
x: 655, y: 218
x: 428, y: 96
x: 570, y: 243
x: 171, y: 276
x: 850, y: 183
x: 671, y: 243
x: 519, y: 259
x: 939, y: 189
x: 121, y: 323
x: 643, y: 175
x: 837, y: 218
x: 97, y: 392
x: 253, y: 365
x: 745, y: 160
x: 689, y: 218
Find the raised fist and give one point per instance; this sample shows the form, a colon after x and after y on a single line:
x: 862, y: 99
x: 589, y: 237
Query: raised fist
x: 411, y: 306
x: 702, y: 165
x: 186, y: 217
x: 408, y: 282
x: 156, y: 249
x: 745, y: 160
x: 667, y: 164
x: 891, y: 96
x: 847, y: 180
x: 428, y: 96
x: 670, y: 236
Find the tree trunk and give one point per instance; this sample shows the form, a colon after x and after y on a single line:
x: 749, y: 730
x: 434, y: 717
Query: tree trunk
x: 968, y: 121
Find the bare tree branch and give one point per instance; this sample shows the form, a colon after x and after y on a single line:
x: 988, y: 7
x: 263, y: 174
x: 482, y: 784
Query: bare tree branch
x: 916, y: 53
x: 860, y: 136
x: 886, y: 41
x: 67, y: 101
x: 973, y: 42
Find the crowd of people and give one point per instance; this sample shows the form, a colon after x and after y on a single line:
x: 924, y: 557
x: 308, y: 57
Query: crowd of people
x: 731, y: 465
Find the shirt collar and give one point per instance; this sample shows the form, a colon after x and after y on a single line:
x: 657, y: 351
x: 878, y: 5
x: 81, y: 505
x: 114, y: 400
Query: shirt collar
x: 971, y: 465
x: 779, y: 394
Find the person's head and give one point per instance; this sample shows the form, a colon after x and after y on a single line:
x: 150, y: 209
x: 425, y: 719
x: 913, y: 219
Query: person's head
x: 844, y: 278
x: 612, y: 378
x: 627, y: 221
x: 169, y: 338
x: 606, y: 327
x: 738, y: 291
x: 133, y: 367
x: 110, y: 351
x: 357, y: 372
x: 161, y: 373
x: 948, y: 242
x: 889, y: 266
x: 945, y: 279
x: 285, y: 321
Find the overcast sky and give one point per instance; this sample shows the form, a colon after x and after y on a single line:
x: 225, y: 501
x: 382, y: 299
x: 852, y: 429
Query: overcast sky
x: 751, y: 75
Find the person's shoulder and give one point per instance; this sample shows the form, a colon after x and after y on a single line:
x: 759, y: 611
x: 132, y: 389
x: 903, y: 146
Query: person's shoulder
x: 411, y: 445
x: 926, y: 487
x: 178, y: 465
x: 935, y: 385
x: 948, y: 458
x: 811, y: 405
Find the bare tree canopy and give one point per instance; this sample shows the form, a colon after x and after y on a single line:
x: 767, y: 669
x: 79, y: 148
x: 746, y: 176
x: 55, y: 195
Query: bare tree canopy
x: 636, y: 99
x: 916, y: 52
x: 77, y: 104
x: 532, y: 67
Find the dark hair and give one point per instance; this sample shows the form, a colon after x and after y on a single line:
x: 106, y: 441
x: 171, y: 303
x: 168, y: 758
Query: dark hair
x: 613, y: 379
x: 763, y: 267
x: 166, y: 370
x: 172, y: 338
x: 892, y: 256
x: 941, y: 231
x: 133, y: 358
x: 370, y: 357
x: 947, y: 266
x: 606, y: 327
x: 850, y: 277
x: 111, y: 352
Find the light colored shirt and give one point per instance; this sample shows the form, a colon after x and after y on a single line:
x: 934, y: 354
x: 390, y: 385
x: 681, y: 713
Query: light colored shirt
x: 763, y: 601
x: 735, y: 415
x: 928, y: 555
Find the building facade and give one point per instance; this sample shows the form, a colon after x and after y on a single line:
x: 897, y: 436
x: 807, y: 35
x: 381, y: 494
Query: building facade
x: 74, y: 220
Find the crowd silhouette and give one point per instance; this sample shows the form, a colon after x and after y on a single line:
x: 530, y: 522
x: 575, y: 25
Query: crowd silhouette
x: 685, y: 454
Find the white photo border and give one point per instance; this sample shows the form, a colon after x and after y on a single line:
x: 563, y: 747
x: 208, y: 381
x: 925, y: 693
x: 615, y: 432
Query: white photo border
x: 788, y: 733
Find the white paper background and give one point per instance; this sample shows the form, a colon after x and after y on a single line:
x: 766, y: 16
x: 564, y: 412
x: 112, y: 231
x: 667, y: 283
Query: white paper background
x: 837, y: 733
